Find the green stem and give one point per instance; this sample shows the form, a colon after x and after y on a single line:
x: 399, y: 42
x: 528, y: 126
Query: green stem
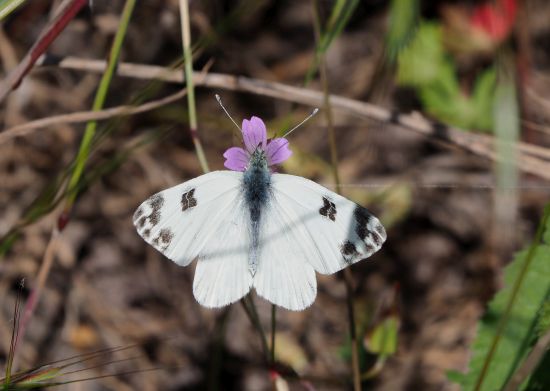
x: 510, y: 304
x: 188, y: 58
x: 326, y: 101
x: 99, y: 101
x: 348, y: 278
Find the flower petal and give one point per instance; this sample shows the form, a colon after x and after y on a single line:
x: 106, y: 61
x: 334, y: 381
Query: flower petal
x: 236, y: 159
x: 278, y: 151
x: 254, y: 134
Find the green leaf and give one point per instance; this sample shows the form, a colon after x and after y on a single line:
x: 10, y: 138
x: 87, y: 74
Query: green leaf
x: 423, y: 61
x: 425, y: 66
x: 403, y: 22
x: 543, y: 322
x: 382, y: 340
x: 444, y: 100
x: 483, y: 99
x: 509, y: 322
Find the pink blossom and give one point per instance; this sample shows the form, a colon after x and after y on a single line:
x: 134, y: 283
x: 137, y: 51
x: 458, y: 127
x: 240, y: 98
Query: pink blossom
x: 255, y: 139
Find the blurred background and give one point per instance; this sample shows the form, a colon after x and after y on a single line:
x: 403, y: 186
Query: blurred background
x: 455, y: 88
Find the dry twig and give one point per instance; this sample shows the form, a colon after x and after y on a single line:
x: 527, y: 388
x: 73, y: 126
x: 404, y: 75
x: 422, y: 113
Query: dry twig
x: 532, y: 158
x: 85, y: 116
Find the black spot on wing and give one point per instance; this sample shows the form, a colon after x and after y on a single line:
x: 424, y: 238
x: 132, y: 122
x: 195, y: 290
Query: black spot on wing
x: 154, y: 217
x: 188, y: 200
x: 370, y: 248
x: 328, y: 209
x: 156, y: 201
x: 362, y: 219
x: 376, y: 239
x: 163, y: 239
x: 140, y: 218
x: 349, y: 251
x: 381, y: 231
x: 141, y: 222
x: 139, y: 213
x: 368, y: 229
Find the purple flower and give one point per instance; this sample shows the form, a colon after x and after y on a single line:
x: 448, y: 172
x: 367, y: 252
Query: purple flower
x: 255, y: 138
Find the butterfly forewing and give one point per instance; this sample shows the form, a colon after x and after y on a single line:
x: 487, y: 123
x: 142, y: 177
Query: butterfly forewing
x: 337, y: 231
x: 180, y: 221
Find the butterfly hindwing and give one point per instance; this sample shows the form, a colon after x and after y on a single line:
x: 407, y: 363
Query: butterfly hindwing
x: 222, y: 276
x: 283, y: 277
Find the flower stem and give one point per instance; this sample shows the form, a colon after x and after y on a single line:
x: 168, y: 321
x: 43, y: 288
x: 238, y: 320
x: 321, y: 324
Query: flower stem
x: 250, y: 309
x: 188, y: 58
x: 348, y: 278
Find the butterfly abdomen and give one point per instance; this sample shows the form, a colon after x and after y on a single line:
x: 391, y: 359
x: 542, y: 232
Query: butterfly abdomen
x: 256, y: 183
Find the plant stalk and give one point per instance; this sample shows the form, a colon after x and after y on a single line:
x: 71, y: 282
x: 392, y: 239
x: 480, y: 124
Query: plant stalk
x: 250, y: 309
x: 348, y: 278
x: 99, y: 101
x: 188, y: 58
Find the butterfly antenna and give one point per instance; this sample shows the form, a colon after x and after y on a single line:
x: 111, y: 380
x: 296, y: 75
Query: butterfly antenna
x: 219, y: 99
x: 315, y: 111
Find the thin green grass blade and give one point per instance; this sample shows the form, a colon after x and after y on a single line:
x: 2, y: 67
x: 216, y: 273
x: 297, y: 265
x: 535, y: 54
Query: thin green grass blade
x: 339, y: 17
x: 8, y: 6
x: 14, y: 336
x: 99, y: 101
x: 188, y: 66
x: 55, y: 192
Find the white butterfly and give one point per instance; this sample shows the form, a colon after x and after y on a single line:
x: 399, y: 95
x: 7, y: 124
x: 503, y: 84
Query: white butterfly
x: 253, y: 228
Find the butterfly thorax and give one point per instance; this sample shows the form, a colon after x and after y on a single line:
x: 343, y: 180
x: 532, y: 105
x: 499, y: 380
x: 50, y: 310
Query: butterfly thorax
x: 256, y: 182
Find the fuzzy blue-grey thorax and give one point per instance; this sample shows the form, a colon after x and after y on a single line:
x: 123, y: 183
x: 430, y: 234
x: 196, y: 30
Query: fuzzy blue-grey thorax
x: 256, y: 182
